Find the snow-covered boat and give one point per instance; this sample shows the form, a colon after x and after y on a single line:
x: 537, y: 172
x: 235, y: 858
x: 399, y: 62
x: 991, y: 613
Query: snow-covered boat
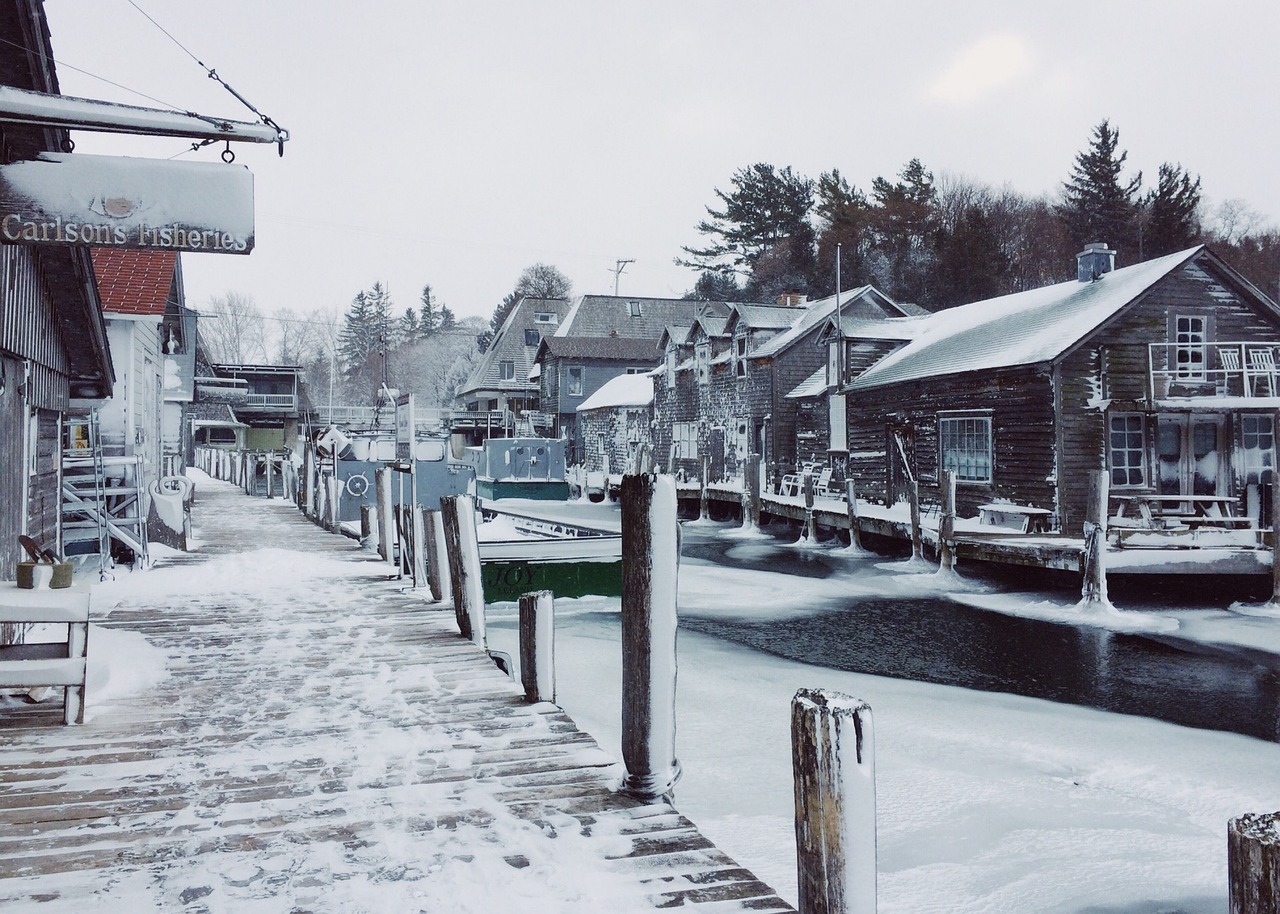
x: 521, y: 553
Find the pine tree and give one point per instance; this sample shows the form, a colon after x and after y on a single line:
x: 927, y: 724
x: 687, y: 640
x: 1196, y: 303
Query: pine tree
x: 448, y: 323
x: 1097, y: 205
x: 845, y: 216
x: 427, y: 316
x: 1171, y: 213
x: 905, y: 224
x: 972, y: 265
x: 409, y: 330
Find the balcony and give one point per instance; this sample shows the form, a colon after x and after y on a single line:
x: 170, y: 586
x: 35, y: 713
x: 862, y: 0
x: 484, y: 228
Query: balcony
x: 1223, y: 369
x: 270, y: 402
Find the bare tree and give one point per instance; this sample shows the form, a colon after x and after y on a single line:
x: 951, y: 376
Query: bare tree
x: 233, y: 330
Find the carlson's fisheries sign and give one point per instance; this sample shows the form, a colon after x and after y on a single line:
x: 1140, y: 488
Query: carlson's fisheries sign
x: 110, y: 201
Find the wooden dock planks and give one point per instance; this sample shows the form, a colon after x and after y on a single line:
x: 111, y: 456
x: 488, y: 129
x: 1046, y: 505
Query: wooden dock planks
x: 332, y: 749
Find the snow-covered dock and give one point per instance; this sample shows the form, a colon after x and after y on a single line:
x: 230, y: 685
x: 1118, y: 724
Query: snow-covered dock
x: 275, y: 725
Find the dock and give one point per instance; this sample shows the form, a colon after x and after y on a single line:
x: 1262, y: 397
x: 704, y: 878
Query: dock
x: 325, y: 743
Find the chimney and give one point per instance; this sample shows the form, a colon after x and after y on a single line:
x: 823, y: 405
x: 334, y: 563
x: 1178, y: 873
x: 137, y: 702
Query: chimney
x: 792, y: 299
x: 1095, y: 260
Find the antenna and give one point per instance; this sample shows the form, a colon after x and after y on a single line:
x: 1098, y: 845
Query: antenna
x: 619, y: 266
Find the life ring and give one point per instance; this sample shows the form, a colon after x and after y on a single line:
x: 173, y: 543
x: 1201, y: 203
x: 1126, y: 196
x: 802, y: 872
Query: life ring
x: 357, y: 485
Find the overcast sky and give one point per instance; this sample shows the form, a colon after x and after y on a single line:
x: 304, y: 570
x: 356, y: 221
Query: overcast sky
x: 456, y: 143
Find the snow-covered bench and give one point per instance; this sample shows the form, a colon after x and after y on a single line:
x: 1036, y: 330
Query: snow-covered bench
x: 58, y: 663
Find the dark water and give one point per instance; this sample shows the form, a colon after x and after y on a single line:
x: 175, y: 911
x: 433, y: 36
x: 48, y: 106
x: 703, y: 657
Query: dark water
x: 932, y: 639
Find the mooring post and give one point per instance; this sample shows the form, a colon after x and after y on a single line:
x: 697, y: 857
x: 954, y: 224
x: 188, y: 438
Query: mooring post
x: 650, y: 567
x: 369, y: 527
x: 807, y: 486
x: 537, y: 646
x: 704, y: 502
x: 386, y: 519
x: 947, y: 523
x: 464, y: 565
x: 1094, y: 561
x: 271, y: 466
x: 917, y: 537
x: 833, y: 763
x: 1253, y: 864
x: 437, y: 556
x: 751, y: 491
x: 851, y: 505
x: 419, y: 536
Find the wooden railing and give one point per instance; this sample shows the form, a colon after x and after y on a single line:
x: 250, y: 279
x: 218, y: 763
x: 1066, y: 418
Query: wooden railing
x: 1237, y: 368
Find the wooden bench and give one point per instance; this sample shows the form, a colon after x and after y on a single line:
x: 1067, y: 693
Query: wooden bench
x: 27, y: 666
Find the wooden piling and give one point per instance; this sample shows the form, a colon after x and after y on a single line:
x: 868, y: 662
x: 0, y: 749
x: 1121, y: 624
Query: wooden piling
x: 1275, y: 540
x: 437, y: 556
x: 650, y: 566
x: 917, y: 538
x: 369, y: 526
x: 947, y: 523
x: 418, y: 535
x: 270, y: 460
x: 851, y: 505
x: 1253, y: 864
x: 309, y: 482
x: 704, y: 498
x: 751, y: 491
x: 459, y: 515
x: 537, y: 646
x: 1094, y: 559
x: 833, y: 763
x: 807, y: 487
x: 386, y: 520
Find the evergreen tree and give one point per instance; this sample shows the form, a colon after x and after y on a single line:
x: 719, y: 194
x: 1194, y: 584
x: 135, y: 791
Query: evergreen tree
x: 845, y: 218
x: 904, y: 221
x: 409, y: 329
x: 971, y: 265
x: 767, y: 211
x: 1097, y: 204
x: 713, y: 286
x: 448, y: 323
x: 1171, y: 213
x: 428, y: 319
x: 368, y: 333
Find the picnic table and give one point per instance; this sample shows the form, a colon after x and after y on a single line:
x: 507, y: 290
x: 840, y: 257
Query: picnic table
x: 1160, y: 511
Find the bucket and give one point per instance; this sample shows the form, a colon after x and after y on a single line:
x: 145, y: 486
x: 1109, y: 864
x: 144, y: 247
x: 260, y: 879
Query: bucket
x: 41, y: 575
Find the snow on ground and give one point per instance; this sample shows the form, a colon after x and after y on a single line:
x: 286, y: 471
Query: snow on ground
x: 988, y: 802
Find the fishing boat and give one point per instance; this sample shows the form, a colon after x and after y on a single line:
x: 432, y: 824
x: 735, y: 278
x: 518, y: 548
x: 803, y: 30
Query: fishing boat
x: 520, y: 553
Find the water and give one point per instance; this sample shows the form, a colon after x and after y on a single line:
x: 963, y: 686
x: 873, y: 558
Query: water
x: 933, y: 639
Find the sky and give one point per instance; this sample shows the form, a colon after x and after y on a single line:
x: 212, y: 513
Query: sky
x: 455, y: 144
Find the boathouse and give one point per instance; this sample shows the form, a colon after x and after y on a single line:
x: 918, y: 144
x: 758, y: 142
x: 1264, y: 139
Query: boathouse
x: 1164, y: 373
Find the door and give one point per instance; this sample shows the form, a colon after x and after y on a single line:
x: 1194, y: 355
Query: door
x: 1189, y: 455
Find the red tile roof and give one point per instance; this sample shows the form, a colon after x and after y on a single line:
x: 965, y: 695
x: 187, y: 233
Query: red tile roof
x: 133, y: 282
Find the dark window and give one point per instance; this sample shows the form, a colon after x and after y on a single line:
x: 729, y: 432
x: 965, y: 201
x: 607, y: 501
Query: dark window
x: 532, y: 337
x: 1128, y: 451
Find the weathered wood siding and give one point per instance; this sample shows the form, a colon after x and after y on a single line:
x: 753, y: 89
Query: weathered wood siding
x: 13, y: 480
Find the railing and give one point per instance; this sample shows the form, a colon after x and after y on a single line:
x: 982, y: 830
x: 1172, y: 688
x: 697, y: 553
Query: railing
x: 1218, y: 369
x: 271, y: 401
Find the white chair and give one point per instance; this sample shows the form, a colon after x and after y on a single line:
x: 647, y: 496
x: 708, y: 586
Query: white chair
x: 1229, y: 359
x: 1262, y: 370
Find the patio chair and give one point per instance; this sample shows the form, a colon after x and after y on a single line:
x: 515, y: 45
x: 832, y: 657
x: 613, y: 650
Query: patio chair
x: 1261, y: 370
x: 1229, y: 359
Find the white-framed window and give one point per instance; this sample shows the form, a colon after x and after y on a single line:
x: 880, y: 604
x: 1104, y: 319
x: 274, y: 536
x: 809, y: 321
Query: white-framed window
x: 740, y: 356
x: 672, y: 354
x: 634, y: 308
x: 634, y: 370
x: 1258, y: 447
x: 544, y: 317
x: 702, y: 361
x: 684, y: 440
x: 574, y: 382
x: 1190, y: 335
x: 506, y: 369
x: 1127, y: 446
x: 965, y: 445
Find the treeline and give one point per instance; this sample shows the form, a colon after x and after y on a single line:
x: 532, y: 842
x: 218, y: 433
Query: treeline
x: 942, y: 242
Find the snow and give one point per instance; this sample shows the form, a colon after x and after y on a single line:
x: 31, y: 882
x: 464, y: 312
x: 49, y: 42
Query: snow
x: 624, y: 390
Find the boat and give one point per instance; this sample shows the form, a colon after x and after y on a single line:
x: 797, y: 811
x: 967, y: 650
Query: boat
x: 520, y: 553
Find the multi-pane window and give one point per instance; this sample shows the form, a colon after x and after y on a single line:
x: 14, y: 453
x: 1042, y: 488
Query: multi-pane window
x: 1258, y: 446
x: 532, y: 337
x: 1127, y: 445
x: 702, y: 362
x: 684, y: 440
x: 574, y: 384
x: 671, y: 367
x: 544, y: 317
x: 1189, y: 346
x: 740, y: 356
x: 506, y: 369
x: 965, y: 442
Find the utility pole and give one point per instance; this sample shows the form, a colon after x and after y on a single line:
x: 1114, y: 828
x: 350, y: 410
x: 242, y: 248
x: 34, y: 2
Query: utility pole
x: 618, y: 267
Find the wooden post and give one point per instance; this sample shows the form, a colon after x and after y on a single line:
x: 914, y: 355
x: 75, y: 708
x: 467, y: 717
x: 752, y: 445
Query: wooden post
x: 751, y: 491
x: 806, y: 482
x: 1253, y: 864
x: 704, y: 502
x: 386, y: 520
x: 833, y: 763
x: 271, y: 466
x: 537, y: 646
x: 1094, y: 561
x: 308, y: 481
x: 913, y: 501
x: 418, y: 535
x: 650, y: 567
x: 437, y: 555
x: 851, y: 504
x: 369, y: 526
x: 947, y: 523
x: 1275, y: 539
x: 464, y: 565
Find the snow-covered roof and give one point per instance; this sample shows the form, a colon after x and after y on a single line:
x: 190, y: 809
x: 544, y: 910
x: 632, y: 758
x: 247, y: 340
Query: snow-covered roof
x: 811, y: 386
x: 624, y: 390
x: 766, y: 317
x: 1020, y: 329
x: 807, y: 319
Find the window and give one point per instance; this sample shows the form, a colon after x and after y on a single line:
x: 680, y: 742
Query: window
x: 506, y: 369
x: 965, y: 442
x: 702, y: 362
x: 740, y: 356
x: 634, y: 370
x: 532, y: 337
x: 1258, y: 446
x: 544, y: 317
x: 575, y: 380
x: 1128, y: 451
x: 671, y: 367
x: 635, y: 308
x: 684, y: 440
x: 1189, y: 348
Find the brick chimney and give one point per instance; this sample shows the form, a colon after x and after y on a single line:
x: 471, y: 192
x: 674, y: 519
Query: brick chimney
x: 1095, y: 260
x: 792, y: 299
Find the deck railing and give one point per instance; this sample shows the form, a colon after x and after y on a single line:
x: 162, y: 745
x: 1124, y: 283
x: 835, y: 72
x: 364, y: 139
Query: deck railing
x: 271, y: 401
x: 1237, y: 368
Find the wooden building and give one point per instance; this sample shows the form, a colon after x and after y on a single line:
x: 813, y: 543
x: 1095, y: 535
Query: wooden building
x: 1162, y: 372
x: 53, y: 339
x: 616, y: 424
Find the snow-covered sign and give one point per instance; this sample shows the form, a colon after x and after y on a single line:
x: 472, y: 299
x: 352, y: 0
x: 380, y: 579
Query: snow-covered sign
x: 114, y: 201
